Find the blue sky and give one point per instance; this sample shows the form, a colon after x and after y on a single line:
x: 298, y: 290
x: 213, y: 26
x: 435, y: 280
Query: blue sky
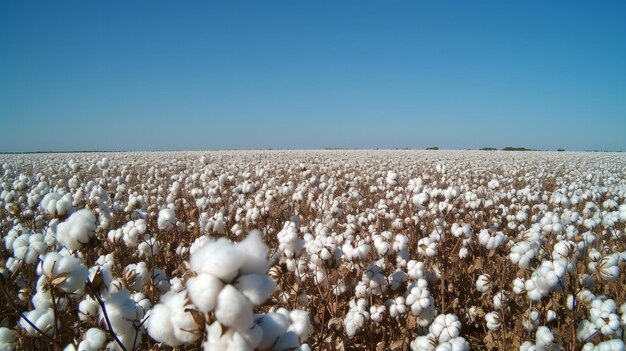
x: 195, y: 75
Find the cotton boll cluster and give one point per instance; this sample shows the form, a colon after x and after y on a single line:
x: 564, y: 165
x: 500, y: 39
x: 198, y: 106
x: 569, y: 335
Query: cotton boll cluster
x: 57, y: 204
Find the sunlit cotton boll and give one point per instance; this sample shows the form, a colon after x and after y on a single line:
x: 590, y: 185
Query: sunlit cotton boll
x: 76, y: 230
x: 167, y: 219
x: 28, y: 247
x: 545, y: 340
x: 123, y: 314
x: 493, y: 321
x: 170, y: 322
x: 233, y: 309
x: 65, y: 272
x: 43, y: 318
x: 203, y: 290
x: 8, y: 339
x: 445, y: 327
x: 94, y: 340
x: 57, y: 204
x: 483, y: 283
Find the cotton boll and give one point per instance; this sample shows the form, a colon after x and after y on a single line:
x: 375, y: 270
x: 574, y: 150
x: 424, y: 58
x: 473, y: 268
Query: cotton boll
x: 253, y: 252
x: 171, y: 322
x: 218, y: 258
x: 94, y: 340
x: 203, y: 290
x: 65, y: 272
x: 233, y: 309
x: 483, y: 283
x: 545, y: 340
x: 159, y: 326
x: 445, y: 327
x: 76, y: 230
x: 8, y: 339
x: 301, y: 324
x: 273, y: 325
x: 493, y: 321
x: 167, y: 219
x: 149, y: 246
x: 29, y: 247
x: 43, y: 318
x: 424, y: 343
x: 256, y: 287
x: 88, y: 308
x: 122, y: 313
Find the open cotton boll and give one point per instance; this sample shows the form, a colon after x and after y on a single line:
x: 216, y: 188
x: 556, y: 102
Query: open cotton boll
x: 253, y: 253
x: 159, y: 326
x: 203, y: 290
x: 94, y: 340
x: 76, y: 230
x: 122, y: 313
x: 29, y: 247
x: 65, y: 272
x: 445, y: 327
x: 57, y: 204
x: 171, y: 322
x: 167, y: 219
x: 218, y: 258
x: 43, y: 318
x: 233, y: 309
x: 256, y: 287
x: 231, y: 339
x: 273, y: 325
x: 8, y: 339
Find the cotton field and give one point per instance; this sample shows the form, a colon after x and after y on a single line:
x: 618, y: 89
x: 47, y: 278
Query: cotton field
x: 313, y: 250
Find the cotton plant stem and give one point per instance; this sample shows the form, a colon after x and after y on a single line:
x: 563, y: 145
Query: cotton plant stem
x: 106, y: 316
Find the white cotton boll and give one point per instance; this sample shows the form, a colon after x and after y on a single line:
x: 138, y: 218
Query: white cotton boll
x: 256, y: 287
x: 424, y: 343
x: 136, y: 275
x: 123, y: 315
x: 203, y: 290
x: 218, y: 258
x: 273, y: 325
x: 493, y: 321
x: 167, y: 219
x: 253, y: 252
x: 233, y: 309
x: 483, y: 283
x: 8, y: 339
x: 585, y: 330
x: 94, y: 340
x: 545, y: 340
x: 149, y: 247
x: 301, y: 324
x: 445, y: 327
x: 29, y: 247
x: 66, y: 272
x: 88, y: 308
x: 43, y: 318
x: 608, y: 268
x: 160, y: 327
x: 170, y: 321
x: 161, y: 281
x: 76, y: 230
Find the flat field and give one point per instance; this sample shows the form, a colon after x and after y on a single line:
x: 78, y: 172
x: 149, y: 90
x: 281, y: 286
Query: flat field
x: 313, y: 250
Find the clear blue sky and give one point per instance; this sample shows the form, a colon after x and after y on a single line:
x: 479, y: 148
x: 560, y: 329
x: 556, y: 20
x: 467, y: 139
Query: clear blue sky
x: 157, y: 75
